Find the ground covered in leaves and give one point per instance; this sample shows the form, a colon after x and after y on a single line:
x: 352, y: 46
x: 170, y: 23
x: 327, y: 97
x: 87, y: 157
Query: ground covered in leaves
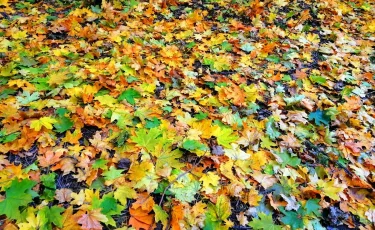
x: 187, y: 115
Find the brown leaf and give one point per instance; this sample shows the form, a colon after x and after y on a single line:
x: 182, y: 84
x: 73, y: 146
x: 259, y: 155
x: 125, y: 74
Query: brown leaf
x: 90, y: 220
x: 63, y: 195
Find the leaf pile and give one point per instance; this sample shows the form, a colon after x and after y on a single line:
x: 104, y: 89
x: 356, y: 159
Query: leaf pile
x: 187, y: 114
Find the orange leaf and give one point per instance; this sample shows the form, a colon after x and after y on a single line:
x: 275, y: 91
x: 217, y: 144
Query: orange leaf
x: 144, y: 201
x: 72, y: 138
x: 70, y: 220
x: 140, y: 219
x: 139, y: 212
x: 177, y: 215
x: 300, y: 74
x: 50, y: 158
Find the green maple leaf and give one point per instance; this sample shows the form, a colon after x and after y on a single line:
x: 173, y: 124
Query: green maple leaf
x: 63, y: 124
x: 4, y: 94
x: 147, y: 138
x: 271, y: 130
x: 319, y: 117
x: 318, y: 79
x: 51, y: 216
x: 48, y: 181
x: 264, y: 222
x: 187, y: 192
x: 100, y: 164
x: 108, y: 204
x: 305, y: 131
x: 217, y: 213
x: 155, y: 122
x: 289, y: 160
x: 226, y: 46
x: 27, y: 61
x: 247, y: 47
x: 267, y: 143
x: 273, y: 58
x: 129, y: 95
x: 9, y: 138
x: 225, y: 137
x: 160, y: 215
x: 293, y: 219
x: 112, y: 173
x: 312, y: 207
x: 19, y: 194
x: 169, y: 158
x: 294, y: 100
x: 192, y: 145
x: 26, y: 97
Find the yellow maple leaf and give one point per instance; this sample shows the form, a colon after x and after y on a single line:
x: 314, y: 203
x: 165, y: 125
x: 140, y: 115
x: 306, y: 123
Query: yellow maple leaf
x: 330, y: 189
x: 44, y: 121
x: 106, y: 100
x: 123, y: 193
x: 57, y: 78
x: 19, y: 34
x: 258, y: 159
x: 33, y: 222
x: 78, y: 198
x: 210, y: 182
x: 253, y: 197
x: 370, y: 26
x: 90, y: 194
x: 4, y: 3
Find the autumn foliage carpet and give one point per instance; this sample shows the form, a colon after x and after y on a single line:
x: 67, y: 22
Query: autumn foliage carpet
x: 221, y: 114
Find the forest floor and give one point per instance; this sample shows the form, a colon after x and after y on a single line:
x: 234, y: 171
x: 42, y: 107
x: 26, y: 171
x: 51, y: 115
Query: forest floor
x: 187, y: 115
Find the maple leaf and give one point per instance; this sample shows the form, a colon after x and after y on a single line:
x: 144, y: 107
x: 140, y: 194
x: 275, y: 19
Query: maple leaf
x: 129, y: 95
x: 140, y: 212
x: 330, y: 189
x: 63, y: 195
x: 219, y: 212
x: 53, y: 216
x: 293, y: 219
x: 99, y: 142
x: 123, y: 193
x: 193, y: 145
x: 112, y: 173
x: 50, y: 157
x: 271, y: 130
x: 185, y: 192
x: 91, y: 219
x: 63, y: 124
x: 286, y: 159
x: 42, y: 122
x: 17, y: 195
x: 312, y: 207
x: 147, y: 138
x: 319, y: 117
x: 264, y: 222
x: 235, y: 153
x: 25, y: 98
x: 72, y: 137
x: 169, y: 159
x: 225, y: 136
x: 210, y: 182
x: 160, y: 215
